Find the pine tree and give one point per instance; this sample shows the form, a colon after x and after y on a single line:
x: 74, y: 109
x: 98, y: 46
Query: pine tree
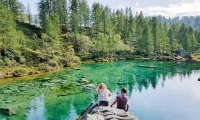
x: 156, y: 35
x: 172, y: 41
x: 84, y: 15
x: 29, y: 14
x: 60, y: 7
x: 52, y: 27
x: 36, y: 20
x: 97, y: 11
x: 181, y: 33
x: 120, y: 22
x: 74, y: 16
x: 147, y: 42
x: 140, y: 26
x: 7, y: 28
x: 43, y: 13
x: 131, y: 29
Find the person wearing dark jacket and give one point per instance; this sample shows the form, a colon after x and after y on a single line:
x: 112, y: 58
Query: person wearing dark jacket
x: 122, y: 100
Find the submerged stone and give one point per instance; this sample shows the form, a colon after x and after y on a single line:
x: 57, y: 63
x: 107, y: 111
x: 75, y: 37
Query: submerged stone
x: 45, y: 79
x: 47, y: 85
x: 147, y: 66
x: 88, y: 87
x: 8, y: 111
x: 83, y: 80
x: 120, y: 83
x: 55, y: 81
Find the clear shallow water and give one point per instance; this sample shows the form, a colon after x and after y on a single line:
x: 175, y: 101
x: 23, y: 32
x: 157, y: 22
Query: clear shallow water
x: 169, y: 92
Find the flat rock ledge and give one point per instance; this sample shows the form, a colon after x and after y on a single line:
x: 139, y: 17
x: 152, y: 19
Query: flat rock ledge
x: 95, y: 112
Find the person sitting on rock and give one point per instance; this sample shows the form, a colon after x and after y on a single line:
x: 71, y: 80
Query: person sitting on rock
x: 104, y: 95
x: 122, y: 100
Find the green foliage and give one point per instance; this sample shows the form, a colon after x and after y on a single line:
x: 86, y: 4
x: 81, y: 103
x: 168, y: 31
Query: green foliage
x: 52, y: 27
x: 7, y: 27
x: 44, y: 68
x: 71, y: 31
x: 19, y: 72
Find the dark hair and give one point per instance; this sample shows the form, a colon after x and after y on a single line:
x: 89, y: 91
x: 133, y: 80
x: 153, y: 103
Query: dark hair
x: 124, y: 90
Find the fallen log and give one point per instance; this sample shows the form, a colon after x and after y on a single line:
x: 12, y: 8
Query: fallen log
x: 147, y: 66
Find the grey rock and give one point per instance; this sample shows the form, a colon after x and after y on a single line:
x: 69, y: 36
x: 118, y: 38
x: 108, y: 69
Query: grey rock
x: 95, y: 117
x: 95, y: 112
x: 47, y: 85
x: 184, y: 54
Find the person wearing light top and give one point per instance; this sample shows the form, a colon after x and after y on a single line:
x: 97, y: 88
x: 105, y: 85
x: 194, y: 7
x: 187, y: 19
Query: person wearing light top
x: 104, y: 95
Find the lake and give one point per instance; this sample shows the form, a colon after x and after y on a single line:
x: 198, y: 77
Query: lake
x: 169, y: 91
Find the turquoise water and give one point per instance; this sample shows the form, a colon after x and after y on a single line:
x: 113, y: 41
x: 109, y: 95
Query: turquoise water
x: 170, y: 91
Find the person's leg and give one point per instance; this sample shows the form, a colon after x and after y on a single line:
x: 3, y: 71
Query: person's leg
x: 103, y: 103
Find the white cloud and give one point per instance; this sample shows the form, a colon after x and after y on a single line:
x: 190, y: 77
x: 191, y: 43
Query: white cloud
x: 137, y: 4
x: 182, y: 9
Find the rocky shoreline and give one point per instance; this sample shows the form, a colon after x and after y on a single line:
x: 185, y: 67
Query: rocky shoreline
x: 95, y: 112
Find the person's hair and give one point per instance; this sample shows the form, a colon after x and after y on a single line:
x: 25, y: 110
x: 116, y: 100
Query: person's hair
x: 102, y: 86
x: 124, y: 90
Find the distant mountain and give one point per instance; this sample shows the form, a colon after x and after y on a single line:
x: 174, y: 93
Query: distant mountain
x: 193, y: 21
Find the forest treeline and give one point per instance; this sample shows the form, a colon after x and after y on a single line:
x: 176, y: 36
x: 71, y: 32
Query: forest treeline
x: 187, y: 20
x: 66, y: 32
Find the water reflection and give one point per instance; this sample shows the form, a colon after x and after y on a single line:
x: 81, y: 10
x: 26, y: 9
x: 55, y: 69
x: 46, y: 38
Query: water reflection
x: 37, y: 109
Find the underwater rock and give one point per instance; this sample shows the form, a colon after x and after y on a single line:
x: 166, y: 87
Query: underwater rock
x: 9, y: 101
x: 52, y: 88
x: 47, y: 85
x: 83, y: 80
x: 55, y: 81
x: 146, y: 66
x: 22, y: 89
x: 88, y: 87
x: 62, y: 95
x: 73, y: 84
x: 77, y: 69
x: 32, y: 85
x: 8, y: 111
x: 22, y: 85
x: 45, y: 79
x: 120, y: 83
x: 7, y: 92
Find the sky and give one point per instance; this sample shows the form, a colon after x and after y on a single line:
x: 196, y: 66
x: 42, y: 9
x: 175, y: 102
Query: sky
x: 167, y: 8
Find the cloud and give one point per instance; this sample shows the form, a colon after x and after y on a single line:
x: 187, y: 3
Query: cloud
x: 137, y: 4
x: 172, y: 10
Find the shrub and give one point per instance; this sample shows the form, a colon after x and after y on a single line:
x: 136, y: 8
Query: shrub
x: 44, y: 68
x: 19, y: 72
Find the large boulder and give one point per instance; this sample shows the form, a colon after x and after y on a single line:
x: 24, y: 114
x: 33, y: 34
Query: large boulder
x: 95, y: 112
x: 183, y: 54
